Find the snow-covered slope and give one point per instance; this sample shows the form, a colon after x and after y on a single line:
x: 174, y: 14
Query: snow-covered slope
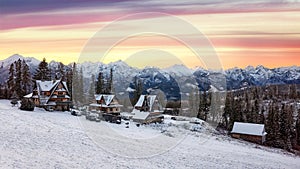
x: 42, y: 139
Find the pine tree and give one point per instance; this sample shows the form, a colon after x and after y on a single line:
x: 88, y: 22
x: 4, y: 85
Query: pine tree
x: 100, y: 84
x: 293, y: 91
x: 26, y: 80
x: 78, y: 92
x: 92, y: 90
x: 137, y: 92
x: 81, y: 88
x: 285, y: 127
x: 298, y: 129
x: 270, y: 125
x: 43, y: 72
x: 61, y: 72
x: 228, y: 109
x: 75, y: 84
x: 18, y: 84
x: 276, y: 125
x: 69, y: 79
x: 110, y: 83
x: 203, y: 106
x: 11, y: 79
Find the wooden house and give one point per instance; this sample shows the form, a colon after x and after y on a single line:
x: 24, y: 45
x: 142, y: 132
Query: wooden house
x: 106, y: 103
x: 249, y: 131
x: 107, y: 107
x: 147, y: 110
x: 51, y: 95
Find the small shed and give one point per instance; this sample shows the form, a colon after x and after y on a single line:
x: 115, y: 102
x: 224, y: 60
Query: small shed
x: 249, y: 131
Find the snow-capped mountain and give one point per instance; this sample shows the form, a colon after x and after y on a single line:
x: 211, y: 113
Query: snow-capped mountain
x: 178, y: 75
x: 260, y: 76
x: 154, y: 78
x: 179, y: 70
x: 5, y: 64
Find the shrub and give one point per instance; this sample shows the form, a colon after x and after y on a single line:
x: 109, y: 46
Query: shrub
x: 27, y: 104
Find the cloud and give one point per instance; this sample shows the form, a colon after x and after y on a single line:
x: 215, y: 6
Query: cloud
x: 32, y: 13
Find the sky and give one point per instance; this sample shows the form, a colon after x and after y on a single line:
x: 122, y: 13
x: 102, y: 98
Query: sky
x: 241, y: 33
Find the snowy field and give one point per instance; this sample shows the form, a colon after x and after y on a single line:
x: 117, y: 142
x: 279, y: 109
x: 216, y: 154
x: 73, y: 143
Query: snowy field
x: 43, y: 139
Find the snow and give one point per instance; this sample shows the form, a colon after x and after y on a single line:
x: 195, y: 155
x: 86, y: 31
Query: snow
x: 249, y: 128
x: 28, y: 95
x: 42, y: 139
x: 46, y: 85
x: 140, y: 115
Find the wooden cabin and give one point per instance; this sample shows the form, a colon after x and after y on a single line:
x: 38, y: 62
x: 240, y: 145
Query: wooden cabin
x: 249, y: 131
x: 107, y: 106
x: 51, y: 95
x: 106, y: 103
x: 147, y: 110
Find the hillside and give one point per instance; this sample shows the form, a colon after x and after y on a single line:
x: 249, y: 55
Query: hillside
x: 43, y: 139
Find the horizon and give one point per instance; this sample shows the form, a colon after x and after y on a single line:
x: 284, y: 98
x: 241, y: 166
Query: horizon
x: 241, y: 33
x: 179, y: 64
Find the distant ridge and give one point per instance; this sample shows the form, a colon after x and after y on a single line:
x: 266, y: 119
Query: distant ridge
x: 187, y: 78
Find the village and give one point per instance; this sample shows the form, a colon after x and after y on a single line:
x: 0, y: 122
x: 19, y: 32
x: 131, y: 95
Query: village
x: 266, y: 115
x: 55, y: 96
x: 82, y: 115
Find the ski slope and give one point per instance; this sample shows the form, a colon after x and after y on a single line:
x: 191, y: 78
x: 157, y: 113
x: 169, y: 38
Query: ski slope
x: 43, y: 139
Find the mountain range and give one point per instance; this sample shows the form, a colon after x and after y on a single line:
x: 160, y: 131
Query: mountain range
x: 174, y: 80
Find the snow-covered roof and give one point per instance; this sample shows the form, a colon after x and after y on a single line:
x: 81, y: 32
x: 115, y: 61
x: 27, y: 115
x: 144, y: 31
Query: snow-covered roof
x: 104, y: 105
x: 108, y: 98
x: 140, y: 115
x: 249, y: 128
x: 46, y: 85
x: 28, y: 96
x: 150, y: 99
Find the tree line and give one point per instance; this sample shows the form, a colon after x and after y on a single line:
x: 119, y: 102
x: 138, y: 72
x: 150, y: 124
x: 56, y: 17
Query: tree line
x: 21, y: 81
x: 275, y: 106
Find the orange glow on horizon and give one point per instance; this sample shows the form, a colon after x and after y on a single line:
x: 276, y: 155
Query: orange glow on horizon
x: 270, y: 39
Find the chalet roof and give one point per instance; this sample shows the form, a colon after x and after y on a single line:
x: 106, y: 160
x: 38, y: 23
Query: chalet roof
x: 140, y: 115
x: 150, y: 99
x: 249, y: 129
x: 46, y: 85
x: 108, y: 98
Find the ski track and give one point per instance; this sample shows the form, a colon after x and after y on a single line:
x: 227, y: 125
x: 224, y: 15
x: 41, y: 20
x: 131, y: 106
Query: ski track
x: 41, y: 139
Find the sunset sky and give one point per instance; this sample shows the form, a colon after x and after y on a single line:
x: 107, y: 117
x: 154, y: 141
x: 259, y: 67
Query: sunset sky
x: 242, y: 33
